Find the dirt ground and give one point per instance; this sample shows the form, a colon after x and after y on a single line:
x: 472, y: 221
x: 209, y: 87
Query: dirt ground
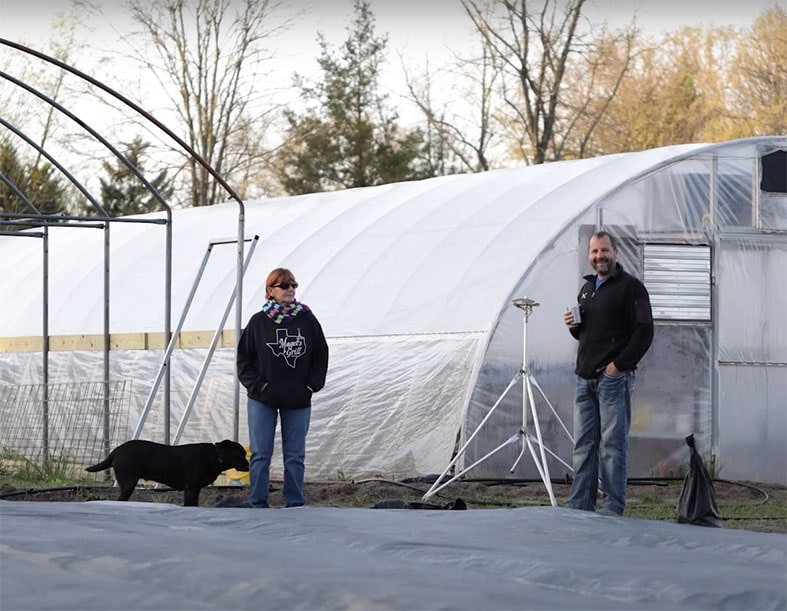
x: 747, y: 505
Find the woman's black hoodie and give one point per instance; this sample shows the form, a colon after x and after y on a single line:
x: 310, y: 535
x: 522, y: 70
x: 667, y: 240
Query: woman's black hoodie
x: 281, y: 365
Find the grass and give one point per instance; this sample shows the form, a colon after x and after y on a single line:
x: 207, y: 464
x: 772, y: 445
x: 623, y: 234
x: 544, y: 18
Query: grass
x: 743, y: 506
x: 19, y: 471
x: 770, y: 516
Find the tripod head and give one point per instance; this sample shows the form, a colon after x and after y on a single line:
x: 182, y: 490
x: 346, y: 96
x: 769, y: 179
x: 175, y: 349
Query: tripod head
x: 526, y: 304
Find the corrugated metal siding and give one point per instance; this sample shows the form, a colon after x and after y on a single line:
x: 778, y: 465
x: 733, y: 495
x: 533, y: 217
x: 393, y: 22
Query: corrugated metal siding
x: 678, y: 280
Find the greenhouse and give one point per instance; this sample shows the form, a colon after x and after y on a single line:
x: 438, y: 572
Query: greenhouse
x: 415, y: 286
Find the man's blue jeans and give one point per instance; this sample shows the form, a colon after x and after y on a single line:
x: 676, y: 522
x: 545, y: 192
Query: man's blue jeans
x: 602, y: 416
x: 262, y: 433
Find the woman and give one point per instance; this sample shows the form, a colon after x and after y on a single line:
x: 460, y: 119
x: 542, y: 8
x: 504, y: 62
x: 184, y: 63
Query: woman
x: 282, y: 360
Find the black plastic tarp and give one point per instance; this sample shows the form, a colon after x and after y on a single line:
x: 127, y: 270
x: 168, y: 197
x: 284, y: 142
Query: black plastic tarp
x: 112, y: 555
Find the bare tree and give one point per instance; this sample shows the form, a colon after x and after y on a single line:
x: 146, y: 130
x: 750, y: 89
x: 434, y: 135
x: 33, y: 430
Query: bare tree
x: 759, y: 75
x: 39, y: 121
x: 531, y: 43
x: 208, y: 55
x: 592, y: 86
x: 672, y: 92
x: 460, y: 130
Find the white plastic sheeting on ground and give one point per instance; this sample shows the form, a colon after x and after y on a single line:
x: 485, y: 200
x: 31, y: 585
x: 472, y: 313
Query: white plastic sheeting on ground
x: 111, y: 555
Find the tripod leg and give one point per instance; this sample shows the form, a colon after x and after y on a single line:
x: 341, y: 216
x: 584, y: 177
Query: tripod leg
x: 540, y: 461
x: 543, y: 471
x: 544, y: 466
x: 522, y: 432
x: 557, y: 458
x: 436, y: 488
x: 461, y: 450
x: 554, y: 412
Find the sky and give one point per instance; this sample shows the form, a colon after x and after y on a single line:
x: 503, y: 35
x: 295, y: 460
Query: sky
x: 413, y: 26
x: 415, y: 29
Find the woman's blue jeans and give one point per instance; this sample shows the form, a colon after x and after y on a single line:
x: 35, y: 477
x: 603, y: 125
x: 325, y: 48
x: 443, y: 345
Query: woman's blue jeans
x: 262, y: 433
x: 602, y: 418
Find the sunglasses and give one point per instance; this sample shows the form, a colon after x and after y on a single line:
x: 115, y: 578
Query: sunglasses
x: 285, y: 285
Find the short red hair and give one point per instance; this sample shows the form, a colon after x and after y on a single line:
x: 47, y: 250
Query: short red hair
x: 280, y: 274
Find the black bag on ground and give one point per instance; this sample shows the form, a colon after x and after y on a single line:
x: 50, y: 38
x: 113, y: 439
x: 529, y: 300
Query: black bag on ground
x: 697, y: 502
x: 458, y: 504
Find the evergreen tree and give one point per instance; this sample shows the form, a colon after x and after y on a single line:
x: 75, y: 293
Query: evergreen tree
x: 37, y: 182
x: 351, y: 139
x: 122, y: 193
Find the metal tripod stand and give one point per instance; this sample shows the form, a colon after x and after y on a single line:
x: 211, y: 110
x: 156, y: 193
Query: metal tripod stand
x: 528, y: 441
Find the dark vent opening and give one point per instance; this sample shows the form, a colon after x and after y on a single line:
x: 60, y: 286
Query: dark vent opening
x: 774, y: 172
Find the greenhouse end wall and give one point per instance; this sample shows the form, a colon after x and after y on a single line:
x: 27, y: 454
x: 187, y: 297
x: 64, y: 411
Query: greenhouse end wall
x: 717, y: 368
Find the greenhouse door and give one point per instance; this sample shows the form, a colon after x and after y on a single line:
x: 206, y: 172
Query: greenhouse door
x: 673, y: 396
x: 752, y: 357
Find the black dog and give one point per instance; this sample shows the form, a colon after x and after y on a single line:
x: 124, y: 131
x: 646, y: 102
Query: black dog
x: 189, y: 467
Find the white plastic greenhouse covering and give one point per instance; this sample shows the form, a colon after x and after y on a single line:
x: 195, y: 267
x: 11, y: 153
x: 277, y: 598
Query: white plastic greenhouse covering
x: 413, y: 284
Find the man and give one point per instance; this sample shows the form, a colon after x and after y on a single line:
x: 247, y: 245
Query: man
x: 615, y: 330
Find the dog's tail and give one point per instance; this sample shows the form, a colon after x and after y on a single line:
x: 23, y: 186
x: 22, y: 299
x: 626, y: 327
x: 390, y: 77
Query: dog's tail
x: 104, y: 464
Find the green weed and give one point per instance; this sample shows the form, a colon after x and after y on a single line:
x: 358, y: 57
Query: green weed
x: 59, y: 470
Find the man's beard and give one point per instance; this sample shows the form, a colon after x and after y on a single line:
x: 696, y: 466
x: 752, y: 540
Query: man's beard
x: 603, y: 267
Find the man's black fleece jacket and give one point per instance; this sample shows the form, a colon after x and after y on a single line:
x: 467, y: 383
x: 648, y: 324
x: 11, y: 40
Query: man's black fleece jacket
x: 617, y: 324
x: 281, y: 365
